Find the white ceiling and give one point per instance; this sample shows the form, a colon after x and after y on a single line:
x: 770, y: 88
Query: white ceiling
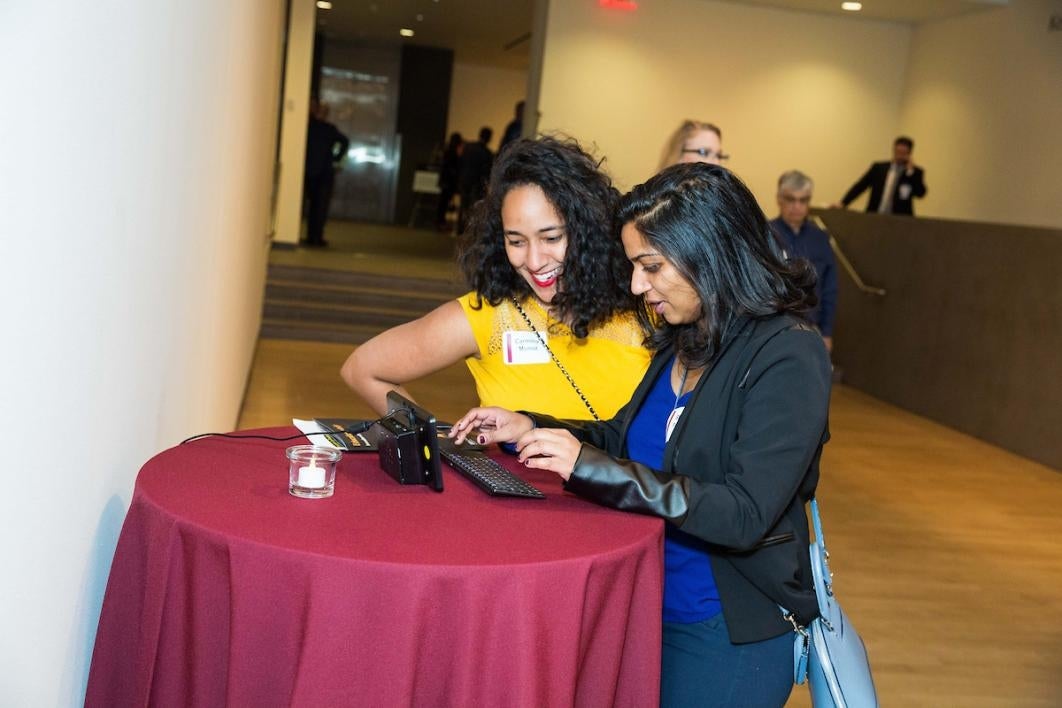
x: 496, y: 32
x: 908, y: 11
x: 487, y: 32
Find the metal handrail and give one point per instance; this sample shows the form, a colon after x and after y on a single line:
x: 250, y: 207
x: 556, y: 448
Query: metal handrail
x: 849, y: 268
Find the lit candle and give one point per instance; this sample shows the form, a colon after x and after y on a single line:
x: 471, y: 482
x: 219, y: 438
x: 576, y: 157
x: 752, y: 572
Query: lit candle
x: 312, y: 477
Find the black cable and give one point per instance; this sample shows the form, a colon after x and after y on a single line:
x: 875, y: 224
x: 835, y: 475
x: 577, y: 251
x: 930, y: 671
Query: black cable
x: 359, y: 428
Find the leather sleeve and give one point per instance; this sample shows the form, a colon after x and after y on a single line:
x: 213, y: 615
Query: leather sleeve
x: 604, y: 434
x: 630, y: 486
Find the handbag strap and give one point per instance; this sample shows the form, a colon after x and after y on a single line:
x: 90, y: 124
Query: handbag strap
x: 817, y: 523
x: 820, y: 561
x: 821, y: 581
x: 556, y: 361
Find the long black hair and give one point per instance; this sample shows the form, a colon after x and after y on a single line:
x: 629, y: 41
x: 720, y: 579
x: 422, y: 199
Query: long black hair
x: 705, y: 221
x: 593, y: 285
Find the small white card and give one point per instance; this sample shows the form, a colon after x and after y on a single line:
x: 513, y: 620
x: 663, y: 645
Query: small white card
x: 308, y: 427
x: 672, y: 421
x: 524, y: 348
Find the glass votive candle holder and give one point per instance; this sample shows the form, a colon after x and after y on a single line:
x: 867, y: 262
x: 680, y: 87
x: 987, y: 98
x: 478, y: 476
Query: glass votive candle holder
x: 312, y: 470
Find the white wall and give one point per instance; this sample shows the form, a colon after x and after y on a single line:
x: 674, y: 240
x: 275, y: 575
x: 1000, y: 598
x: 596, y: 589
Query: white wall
x: 984, y: 103
x: 138, y: 142
x: 294, y: 120
x: 826, y: 94
x: 789, y: 90
x: 483, y: 96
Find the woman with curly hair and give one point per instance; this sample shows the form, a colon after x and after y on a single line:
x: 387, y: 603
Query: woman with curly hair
x: 549, y: 323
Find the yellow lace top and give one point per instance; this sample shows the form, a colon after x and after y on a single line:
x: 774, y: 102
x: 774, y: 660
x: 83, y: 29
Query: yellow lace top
x: 606, y: 365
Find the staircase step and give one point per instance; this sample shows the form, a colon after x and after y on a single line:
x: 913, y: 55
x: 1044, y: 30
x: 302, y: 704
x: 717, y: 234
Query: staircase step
x: 325, y: 305
x: 420, y: 302
x: 448, y: 283
x: 316, y: 332
x: 326, y: 314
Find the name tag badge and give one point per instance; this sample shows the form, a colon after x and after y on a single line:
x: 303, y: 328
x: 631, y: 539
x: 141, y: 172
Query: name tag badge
x: 524, y: 348
x: 905, y: 191
x: 672, y: 421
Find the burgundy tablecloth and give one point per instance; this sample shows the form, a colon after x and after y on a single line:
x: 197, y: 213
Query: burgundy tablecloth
x: 227, y: 590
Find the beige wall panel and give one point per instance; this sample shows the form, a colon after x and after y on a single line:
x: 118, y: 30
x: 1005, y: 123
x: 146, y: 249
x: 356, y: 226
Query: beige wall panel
x: 789, y: 89
x: 483, y: 96
x: 984, y: 103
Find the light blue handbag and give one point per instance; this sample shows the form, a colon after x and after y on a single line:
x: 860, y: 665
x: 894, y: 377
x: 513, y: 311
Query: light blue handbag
x: 829, y: 651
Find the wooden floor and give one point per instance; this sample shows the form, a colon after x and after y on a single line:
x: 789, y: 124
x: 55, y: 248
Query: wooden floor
x: 946, y: 551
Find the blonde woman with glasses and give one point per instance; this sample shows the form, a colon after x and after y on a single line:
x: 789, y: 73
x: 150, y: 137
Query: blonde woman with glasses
x: 694, y: 141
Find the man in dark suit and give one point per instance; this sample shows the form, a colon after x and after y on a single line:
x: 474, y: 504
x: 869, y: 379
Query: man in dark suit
x: 515, y: 127
x: 325, y: 148
x: 893, y: 185
x: 473, y: 172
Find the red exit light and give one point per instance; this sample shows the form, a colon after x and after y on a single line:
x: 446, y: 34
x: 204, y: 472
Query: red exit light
x: 624, y: 5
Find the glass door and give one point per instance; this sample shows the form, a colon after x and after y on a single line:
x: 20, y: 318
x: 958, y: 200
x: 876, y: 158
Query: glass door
x: 359, y: 86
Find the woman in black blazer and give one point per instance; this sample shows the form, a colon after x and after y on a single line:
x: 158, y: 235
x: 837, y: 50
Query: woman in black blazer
x: 722, y: 438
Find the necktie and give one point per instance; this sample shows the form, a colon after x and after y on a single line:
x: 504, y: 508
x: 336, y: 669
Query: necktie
x: 890, y: 187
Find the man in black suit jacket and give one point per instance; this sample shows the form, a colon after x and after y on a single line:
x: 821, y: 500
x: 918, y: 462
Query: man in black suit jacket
x: 473, y: 173
x: 325, y: 149
x: 893, y: 185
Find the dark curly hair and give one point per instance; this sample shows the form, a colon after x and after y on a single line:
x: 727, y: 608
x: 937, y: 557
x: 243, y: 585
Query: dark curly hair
x: 594, y: 282
x: 706, y: 222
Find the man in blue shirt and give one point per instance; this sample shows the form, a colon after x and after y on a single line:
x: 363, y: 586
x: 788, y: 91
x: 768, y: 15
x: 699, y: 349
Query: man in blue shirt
x: 802, y: 239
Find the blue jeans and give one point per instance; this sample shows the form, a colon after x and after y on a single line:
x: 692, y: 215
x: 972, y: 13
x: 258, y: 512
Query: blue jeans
x: 702, y: 668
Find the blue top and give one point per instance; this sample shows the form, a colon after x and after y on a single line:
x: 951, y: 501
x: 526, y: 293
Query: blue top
x: 812, y: 243
x: 690, y: 594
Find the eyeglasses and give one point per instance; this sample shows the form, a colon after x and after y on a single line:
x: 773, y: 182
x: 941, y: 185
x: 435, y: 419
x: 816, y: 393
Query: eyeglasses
x: 790, y: 199
x: 707, y: 153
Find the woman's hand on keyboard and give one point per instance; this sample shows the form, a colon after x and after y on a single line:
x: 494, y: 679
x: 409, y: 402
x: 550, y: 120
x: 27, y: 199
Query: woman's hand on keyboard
x: 491, y: 425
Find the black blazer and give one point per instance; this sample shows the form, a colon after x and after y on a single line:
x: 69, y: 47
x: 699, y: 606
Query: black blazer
x: 738, y: 469
x: 473, y: 171
x: 908, y: 186
x: 322, y: 141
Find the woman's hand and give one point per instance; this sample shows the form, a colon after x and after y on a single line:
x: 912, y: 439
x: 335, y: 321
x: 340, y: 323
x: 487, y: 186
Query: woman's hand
x: 542, y: 448
x: 549, y: 449
x: 491, y: 425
